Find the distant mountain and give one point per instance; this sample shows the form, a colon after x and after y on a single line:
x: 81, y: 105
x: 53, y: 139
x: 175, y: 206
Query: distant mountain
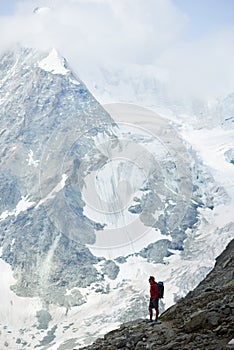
x: 149, y: 86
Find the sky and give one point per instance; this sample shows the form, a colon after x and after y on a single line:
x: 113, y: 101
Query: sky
x: 206, y: 16
x: 7, y: 7
x: 190, y: 40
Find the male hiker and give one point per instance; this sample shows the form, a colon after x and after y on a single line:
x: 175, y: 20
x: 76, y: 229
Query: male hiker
x: 153, y: 304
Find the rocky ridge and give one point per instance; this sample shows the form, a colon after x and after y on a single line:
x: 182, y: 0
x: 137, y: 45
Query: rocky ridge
x: 204, y: 319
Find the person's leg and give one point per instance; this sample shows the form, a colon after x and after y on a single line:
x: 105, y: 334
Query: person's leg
x: 156, y: 309
x: 157, y: 312
x: 151, y: 313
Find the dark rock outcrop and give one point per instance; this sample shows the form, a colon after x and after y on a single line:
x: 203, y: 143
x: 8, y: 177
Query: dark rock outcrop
x: 204, y: 319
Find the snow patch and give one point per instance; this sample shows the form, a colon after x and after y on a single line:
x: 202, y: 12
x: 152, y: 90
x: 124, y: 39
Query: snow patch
x: 31, y: 161
x: 122, y: 241
x: 22, y: 205
x: 74, y: 81
x: 4, y: 215
x: 53, y: 63
x: 55, y: 190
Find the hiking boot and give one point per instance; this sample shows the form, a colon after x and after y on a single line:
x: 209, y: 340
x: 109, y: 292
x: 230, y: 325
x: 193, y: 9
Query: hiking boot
x: 149, y: 321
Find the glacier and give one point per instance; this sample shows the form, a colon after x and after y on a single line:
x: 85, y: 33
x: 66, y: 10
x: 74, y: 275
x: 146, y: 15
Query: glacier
x: 95, y: 198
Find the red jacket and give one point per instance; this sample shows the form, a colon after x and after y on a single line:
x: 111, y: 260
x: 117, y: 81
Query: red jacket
x: 153, y: 290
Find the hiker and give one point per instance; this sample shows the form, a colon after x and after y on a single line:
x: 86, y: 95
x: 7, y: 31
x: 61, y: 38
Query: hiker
x: 153, y: 304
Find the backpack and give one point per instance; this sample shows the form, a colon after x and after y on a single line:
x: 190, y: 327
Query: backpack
x: 160, y: 290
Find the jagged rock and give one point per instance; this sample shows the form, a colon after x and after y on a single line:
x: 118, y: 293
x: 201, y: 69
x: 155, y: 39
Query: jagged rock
x: 43, y: 318
x: 156, y: 251
x: 229, y: 156
x: 110, y: 269
x: 196, y: 321
x: 135, y: 209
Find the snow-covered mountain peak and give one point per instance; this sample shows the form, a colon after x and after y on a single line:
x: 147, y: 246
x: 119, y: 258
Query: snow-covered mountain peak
x: 54, y: 63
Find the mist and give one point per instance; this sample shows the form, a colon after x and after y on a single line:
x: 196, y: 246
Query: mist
x: 93, y: 33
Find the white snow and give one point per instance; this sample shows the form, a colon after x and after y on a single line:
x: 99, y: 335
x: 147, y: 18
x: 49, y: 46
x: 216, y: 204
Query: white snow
x: 55, y: 190
x: 53, y: 63
x: 21, y: 206
x: 74, y: 81
x: 122, y: 241
x: 109, y: 192
x: 211, y: 146
x: 4, y: 215
x: 15, y: 312
x: 31, y: 161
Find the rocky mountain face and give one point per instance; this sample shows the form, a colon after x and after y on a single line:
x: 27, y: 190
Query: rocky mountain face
x: 203, y: 320
x: 48, y: 122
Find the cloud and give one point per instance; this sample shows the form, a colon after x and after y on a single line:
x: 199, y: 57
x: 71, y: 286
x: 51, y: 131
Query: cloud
x: 201, y: 68
x: 152, y: 32
x: 127, y: 30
